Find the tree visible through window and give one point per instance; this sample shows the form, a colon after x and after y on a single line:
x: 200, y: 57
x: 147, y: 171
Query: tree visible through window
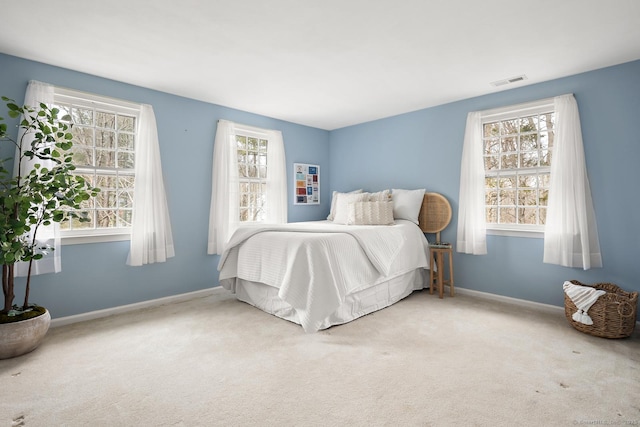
x: 517, y: 159
x: 252, y: 170
x: 104, y: 137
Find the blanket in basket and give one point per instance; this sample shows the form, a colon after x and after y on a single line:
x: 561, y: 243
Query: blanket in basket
x: 583, y: 297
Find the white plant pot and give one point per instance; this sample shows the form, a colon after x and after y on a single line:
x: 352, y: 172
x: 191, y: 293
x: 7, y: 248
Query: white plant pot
x: 19, y: 338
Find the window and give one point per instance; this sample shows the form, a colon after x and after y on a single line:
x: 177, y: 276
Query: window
x: 517, y: 153
x: 252, y: 172
x: 104, y: 136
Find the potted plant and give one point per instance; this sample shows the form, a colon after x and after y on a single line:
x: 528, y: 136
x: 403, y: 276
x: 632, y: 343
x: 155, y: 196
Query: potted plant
x: 44, y: 190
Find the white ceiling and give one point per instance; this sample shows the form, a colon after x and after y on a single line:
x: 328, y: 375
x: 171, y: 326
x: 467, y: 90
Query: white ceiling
x: 324, y: 63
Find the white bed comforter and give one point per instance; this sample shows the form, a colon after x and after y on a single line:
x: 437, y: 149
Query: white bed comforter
x: 315, y: 265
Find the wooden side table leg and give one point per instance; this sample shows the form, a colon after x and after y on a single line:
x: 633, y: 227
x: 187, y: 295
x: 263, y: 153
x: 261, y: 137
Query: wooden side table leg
x: 451, y: 291
x: 440, y: 274
x: 431, y: 272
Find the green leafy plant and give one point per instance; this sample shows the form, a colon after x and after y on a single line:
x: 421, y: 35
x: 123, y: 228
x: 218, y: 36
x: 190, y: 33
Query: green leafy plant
x: 35, y: 196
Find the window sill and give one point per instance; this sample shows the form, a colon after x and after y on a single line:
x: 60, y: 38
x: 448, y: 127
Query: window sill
x: 509, y: 232
x: 81, y: 239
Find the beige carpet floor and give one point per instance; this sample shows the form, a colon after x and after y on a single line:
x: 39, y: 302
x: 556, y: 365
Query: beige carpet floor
x: 212, y: 361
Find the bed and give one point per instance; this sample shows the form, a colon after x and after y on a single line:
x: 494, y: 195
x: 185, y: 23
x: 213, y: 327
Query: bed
x: 324, y: 273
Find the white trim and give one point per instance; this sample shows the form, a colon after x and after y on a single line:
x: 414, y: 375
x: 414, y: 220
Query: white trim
x: 219, y: 290
x: 72, y: 97
x: 241, y: 130
x: 252, y: 131
x: 67, y: 320
x: 517, y: 110
x: 516, y: 301
x: 94, y: 238
x: 510, y: 112
x: 78, y: 97
x: 510, y: 300
x: 531, y: 234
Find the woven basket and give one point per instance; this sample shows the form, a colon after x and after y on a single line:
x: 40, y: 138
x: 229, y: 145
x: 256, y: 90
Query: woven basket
x: 613, y: 314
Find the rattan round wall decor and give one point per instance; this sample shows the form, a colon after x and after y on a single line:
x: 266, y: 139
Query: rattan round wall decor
x: 435, y: 213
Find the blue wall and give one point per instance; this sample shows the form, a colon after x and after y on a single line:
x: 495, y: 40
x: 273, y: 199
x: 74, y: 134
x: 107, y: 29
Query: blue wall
x: 94, y: 276
x: 424, y: 148
x: 414, y: 150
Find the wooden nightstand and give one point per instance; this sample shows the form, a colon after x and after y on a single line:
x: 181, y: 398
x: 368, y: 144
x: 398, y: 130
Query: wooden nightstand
x: 437, y: 253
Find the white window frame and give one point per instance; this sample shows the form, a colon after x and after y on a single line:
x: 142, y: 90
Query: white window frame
x: 508, y: 113
x: 93, y: 101
x: 249, y: 132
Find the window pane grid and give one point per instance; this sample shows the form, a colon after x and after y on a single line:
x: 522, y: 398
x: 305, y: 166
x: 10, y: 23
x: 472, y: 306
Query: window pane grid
x: 252, y: 170
x: 517, y: 158
x: 104, y: 154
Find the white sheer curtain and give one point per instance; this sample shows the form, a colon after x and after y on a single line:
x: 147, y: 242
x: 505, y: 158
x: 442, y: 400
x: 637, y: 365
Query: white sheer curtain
x: 38, y: 92
x: 151, y: 237
x: 224, y: 211
x: 571, y: 235
x: 276, y: 208
x: 472, y: 229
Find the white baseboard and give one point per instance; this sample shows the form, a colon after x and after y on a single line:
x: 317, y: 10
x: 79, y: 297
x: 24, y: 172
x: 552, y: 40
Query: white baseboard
x: 67, y: 320
x: 219, y: 289
x: 516, y: 301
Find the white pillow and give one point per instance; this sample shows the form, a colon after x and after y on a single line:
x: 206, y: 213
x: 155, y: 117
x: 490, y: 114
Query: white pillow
x: 332, y: 211
x: 370, y: 213
x: 342, y: 205
x: 407, y: 203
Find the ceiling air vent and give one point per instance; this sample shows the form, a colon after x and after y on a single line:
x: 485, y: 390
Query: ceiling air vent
x: 509, y: 80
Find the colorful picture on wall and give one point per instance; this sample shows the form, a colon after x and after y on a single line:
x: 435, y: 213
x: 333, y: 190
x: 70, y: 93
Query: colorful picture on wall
x: 306, y: 182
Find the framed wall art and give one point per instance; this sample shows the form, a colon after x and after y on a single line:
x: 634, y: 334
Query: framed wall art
x: 306, y: 184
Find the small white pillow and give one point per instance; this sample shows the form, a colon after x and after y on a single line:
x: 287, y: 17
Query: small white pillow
x: 407, y: 203
x: 370, y: 213
x: 342, y: 205
x: 332, y: 210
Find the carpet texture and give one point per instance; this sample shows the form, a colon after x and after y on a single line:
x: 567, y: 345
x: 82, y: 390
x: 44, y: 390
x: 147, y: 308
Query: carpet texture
x: 422, y: 362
